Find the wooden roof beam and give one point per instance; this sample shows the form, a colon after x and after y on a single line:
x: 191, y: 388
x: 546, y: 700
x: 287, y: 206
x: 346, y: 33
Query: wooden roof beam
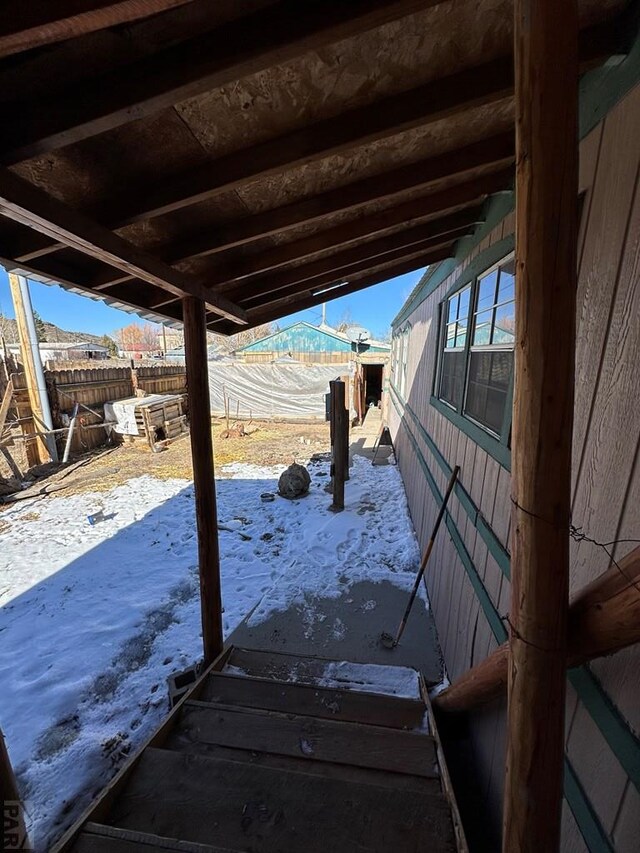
x: 53, y: 270
x: 424, y: 207
x: 496, y: 151
x: 231, y: 51
x: 30, y: 206
x: 348, y: 271
x: 462, y: 221
x: 359, y: 258
x: 290, y: 304
x: 382, y: 119
x: 24, y: 26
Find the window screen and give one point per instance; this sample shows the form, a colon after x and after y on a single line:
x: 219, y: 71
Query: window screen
x: 491, y: 351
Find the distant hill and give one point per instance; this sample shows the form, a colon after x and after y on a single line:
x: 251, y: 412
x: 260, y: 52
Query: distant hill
x: 53, y: 334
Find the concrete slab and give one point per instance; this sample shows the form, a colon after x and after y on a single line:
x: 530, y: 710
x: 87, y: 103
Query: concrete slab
x: 349, y: 628
x: 363, y: 439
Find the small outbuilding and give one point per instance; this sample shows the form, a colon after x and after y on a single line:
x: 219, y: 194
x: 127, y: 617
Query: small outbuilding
x: 69, y: 351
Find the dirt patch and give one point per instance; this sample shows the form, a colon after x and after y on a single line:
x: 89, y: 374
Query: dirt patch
x: 264, y: 443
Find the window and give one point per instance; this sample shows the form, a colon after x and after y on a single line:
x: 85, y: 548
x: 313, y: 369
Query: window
x: 404, y: 356
x: 400, y: 354
x: 476, y: 348
x: 455, y: 339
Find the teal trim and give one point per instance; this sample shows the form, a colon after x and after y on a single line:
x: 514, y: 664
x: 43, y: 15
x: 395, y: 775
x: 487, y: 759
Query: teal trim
x: 496, y: 208
x: 591, y: 829
x: 496, y: 548
x: 586, y: 819
x: 493, y: 617
x: 432, y: 279
x: 601, y: 89
x: 500, y: 452
x: 623, y: 742
x: 488, y: 608
x: 490, y: 256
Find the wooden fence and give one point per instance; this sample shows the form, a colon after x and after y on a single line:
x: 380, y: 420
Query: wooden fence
x: 91, y: 387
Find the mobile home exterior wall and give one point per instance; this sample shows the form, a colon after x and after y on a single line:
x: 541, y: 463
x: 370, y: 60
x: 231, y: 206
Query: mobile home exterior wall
x: 469, y: 577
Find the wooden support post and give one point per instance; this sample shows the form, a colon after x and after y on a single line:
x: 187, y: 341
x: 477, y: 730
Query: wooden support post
x: 340, y: 442
x: 32, y: 366
x: 546, y: 73
x: 195, y: 348
x: 603, y: 618
x: 347, y: 422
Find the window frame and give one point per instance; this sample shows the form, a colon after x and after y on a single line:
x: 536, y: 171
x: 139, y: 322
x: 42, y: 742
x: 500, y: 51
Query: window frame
x: 496, y: 443
x: 400, y: 357
x: 443, y: 350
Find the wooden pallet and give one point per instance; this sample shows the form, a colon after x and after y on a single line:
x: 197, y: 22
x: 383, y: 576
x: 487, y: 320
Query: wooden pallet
x: 161, y: 419
x: 250, y: 762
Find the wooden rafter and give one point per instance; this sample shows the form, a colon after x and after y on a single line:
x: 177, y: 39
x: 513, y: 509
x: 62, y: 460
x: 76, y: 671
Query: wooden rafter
x: 457, y: 223
x: 494, y: 151
x: 24, y: 26
x: 317, y: 294
x: 213, y: 58
x: 386, y: 117
x: 407, y: 213
x: 137, y: 297
x: 359, y: 259
x: 28, y: 205
x: 339, y: 262
x: 603, y: 619
x: 348, y: 273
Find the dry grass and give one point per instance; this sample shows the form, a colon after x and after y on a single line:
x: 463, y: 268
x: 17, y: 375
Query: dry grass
x: 265, y: 443
x: 30, y: 516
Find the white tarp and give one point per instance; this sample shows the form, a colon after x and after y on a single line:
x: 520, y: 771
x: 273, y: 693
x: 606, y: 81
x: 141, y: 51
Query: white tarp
x: 279, y: 389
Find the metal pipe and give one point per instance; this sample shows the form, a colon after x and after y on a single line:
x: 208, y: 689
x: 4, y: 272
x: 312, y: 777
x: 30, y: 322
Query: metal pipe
x: 41, y: 385
x: 72, y: 426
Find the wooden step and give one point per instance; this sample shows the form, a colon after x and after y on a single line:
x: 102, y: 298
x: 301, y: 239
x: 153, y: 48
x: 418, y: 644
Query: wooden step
x: 306, y: 699
x: 251, y: 807
x: 309, y: 737
x: 304, y: 669
x: 98, y: 838
x: 429, y: 786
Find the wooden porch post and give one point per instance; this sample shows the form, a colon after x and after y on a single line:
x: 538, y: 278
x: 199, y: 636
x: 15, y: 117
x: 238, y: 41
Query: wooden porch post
x: 340, y: 442
x: 546, y: 75
x: 195, y: 350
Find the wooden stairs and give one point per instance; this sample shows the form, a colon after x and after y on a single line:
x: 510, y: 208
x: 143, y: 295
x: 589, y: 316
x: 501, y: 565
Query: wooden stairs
x: 251, y: 760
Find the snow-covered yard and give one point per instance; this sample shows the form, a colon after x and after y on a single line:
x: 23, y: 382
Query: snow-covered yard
x: 94, y: 618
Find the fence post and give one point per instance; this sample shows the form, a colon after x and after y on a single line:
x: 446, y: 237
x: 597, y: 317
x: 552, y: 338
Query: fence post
x: 340, y: 464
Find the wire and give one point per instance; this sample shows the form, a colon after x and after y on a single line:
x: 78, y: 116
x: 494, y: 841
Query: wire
x: 578, y: 535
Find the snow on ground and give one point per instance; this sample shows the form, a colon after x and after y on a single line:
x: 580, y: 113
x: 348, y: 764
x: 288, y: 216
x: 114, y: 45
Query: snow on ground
x: 94, y: 618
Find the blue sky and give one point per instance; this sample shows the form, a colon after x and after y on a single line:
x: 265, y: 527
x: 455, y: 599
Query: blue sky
x: 373, y: 308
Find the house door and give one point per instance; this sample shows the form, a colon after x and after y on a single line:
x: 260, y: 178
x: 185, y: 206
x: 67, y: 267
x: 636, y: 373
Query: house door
x: 372, y: 385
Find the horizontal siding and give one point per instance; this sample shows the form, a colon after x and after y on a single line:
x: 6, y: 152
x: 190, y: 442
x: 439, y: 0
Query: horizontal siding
x: 606, y: 475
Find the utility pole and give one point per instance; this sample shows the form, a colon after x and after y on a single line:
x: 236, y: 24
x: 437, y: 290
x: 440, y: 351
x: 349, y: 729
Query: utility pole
x: 32, y: 364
